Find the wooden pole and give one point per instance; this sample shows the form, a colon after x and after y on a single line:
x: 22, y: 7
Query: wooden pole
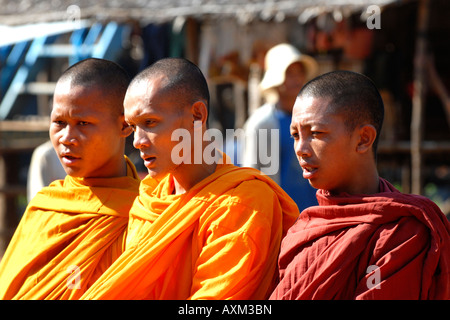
x: 419, y: 97
x: 438, y: 85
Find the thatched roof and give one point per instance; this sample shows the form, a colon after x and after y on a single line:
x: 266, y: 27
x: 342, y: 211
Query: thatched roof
x: 14, y: 12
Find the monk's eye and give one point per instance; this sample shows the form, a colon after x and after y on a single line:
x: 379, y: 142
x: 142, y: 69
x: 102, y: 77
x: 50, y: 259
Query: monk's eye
x: 58, y: 122
x: 150, y: 122
x: 83, y: 123
x: 294, y: 135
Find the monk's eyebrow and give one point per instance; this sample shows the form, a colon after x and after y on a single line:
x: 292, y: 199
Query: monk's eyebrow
x: 139, y: 116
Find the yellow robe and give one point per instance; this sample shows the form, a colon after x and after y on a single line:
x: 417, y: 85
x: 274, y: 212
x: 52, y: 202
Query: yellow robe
x: 220, y: 240
x: 70, y: 233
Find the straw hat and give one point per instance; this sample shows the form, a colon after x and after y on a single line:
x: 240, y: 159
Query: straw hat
x: 278, y: 59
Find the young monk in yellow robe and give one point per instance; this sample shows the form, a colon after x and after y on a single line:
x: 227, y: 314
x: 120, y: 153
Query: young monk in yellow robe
x: 75, y: 228
x: 208, y: 230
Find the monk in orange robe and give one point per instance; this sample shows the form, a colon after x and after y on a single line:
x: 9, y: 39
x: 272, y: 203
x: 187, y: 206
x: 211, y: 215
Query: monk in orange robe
x: 74, y: 229
x: 365, y: 240
x: 208, y: 229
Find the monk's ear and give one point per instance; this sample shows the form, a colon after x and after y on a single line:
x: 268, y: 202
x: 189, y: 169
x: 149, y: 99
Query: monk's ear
x: 366, y: 134
x: 199, y: 112
x: 126, y: 130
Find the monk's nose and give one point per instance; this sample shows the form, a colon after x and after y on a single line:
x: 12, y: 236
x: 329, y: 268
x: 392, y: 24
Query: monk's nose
x: 302, y: 147
x: 68, y: 136
x: 140, y: 139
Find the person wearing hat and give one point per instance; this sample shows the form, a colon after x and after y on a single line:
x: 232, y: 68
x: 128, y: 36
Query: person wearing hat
x: 286, y: 71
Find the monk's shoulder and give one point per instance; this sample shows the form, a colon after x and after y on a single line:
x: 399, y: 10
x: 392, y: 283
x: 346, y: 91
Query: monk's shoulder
x: 248, y: 197
x: 413, y: 201
x: 248, y: 207
x: 397, y: 236
x: 253, y: 189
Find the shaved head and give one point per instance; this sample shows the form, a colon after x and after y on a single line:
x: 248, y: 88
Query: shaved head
x: 183, y: 79
x: 352, y: 95
x: 107, y: 76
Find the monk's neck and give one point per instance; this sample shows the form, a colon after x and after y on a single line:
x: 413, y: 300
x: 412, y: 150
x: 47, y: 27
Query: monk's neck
x: 367, y: 183
x: 191, y: 174
x: 116, y: 168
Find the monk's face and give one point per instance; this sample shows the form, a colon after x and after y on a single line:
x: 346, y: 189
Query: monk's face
x: 154, y: 115
x: 324, y: 146
x: 86, y: 134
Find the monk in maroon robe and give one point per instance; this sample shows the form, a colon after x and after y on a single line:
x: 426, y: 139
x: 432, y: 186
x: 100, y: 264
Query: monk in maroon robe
x: 365, y: 240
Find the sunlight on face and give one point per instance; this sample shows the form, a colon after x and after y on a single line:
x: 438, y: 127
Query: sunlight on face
x: 154, y: 115
x: 322, y: 143
x: 85, y: 133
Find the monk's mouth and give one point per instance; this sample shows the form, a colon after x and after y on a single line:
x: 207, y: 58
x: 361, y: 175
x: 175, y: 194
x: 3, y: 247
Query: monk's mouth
x: 149, y: 161
x: 68, y: 160
x: 309, y: 172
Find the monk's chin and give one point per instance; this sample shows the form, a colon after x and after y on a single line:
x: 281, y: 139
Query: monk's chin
x: 318, y: 184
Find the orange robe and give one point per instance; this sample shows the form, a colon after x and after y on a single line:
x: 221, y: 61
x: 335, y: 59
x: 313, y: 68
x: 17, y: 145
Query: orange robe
x: 220, y: 240
x: 75, y: 227
x: 385, y: 246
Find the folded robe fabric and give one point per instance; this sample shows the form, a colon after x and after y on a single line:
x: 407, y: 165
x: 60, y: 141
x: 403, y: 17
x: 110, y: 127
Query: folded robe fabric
x: 70, y: 233
x: 383, y: 246
x: 220, y: 240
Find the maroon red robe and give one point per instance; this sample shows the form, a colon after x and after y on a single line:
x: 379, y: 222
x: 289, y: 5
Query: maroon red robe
x: 388, y: 245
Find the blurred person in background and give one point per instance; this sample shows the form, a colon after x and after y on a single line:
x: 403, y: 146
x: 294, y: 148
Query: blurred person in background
x: 286, y: 71
x: 45, y: 168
